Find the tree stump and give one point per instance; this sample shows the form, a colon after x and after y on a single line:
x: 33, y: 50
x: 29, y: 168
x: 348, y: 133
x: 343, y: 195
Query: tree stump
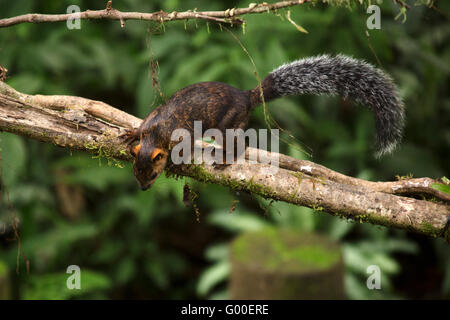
x: 5, y: 290
x: 285, y: 264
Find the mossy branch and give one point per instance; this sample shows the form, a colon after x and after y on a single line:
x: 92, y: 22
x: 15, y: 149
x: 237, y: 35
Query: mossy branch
x: 93, y: 126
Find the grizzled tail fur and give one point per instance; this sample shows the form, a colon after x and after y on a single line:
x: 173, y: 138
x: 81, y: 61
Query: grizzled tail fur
x: 348, y: 78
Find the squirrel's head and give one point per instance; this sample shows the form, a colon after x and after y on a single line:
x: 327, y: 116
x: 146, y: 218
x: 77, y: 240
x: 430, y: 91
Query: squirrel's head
x: 149, y: 163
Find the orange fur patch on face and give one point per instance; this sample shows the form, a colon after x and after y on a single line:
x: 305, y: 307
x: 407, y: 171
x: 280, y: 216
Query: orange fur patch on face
x: 156, y: 152
x: 135, y: 150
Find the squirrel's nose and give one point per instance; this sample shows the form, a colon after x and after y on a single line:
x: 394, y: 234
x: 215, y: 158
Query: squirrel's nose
x: 144, y: 186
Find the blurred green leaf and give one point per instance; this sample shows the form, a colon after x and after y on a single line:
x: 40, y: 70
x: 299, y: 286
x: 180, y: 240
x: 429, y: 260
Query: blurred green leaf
x: 13, y: 157
x: 237, y: 221
x: 54, y: 286
x: 217, y: 252
x: 212, y: 276
x: 125, y: 271
x: 441, y: 187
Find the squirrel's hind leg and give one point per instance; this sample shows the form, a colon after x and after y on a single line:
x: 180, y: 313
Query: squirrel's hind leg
x: 232, y: 154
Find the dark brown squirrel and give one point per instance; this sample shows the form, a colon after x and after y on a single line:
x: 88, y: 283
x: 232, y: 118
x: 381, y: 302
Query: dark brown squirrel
x: 221, y: 106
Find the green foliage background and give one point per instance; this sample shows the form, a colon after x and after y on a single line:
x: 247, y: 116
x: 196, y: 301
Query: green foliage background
x: 76, y: 209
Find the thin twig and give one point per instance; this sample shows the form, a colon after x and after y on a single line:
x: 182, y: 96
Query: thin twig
x: 403, y: 4
x: 228, y: 16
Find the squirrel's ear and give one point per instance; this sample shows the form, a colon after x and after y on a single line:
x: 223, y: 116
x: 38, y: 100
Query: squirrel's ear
x: 135, y: 150
x: 157, y: 154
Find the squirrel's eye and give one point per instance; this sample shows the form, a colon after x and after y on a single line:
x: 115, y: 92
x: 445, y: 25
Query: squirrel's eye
x: 157, y: 154
x: 158, y: 157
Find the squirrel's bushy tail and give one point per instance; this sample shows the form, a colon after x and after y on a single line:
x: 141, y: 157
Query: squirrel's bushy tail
x: 347, y: 77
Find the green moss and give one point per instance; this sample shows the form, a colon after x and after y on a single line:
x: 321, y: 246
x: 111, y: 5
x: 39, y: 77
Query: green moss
x: 374, y: 218
x: 105, y: 150
x: 286, y: 250
x: 260, y: 189
x: 298, y: 175
x: 317, y: 208
x: 292, y: 196
x: 201, y: 174
x: 406, y: 177
x: 430, y: 230
x: 361, y: 218
x: 16, y: 128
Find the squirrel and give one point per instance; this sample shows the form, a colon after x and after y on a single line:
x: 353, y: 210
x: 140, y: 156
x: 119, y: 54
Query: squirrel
x: 221, y: 106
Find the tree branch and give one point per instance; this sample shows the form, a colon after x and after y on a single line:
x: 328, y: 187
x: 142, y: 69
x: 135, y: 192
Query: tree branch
x: 93, y: 126
x: 228, y: 16
x: 417, y: 186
